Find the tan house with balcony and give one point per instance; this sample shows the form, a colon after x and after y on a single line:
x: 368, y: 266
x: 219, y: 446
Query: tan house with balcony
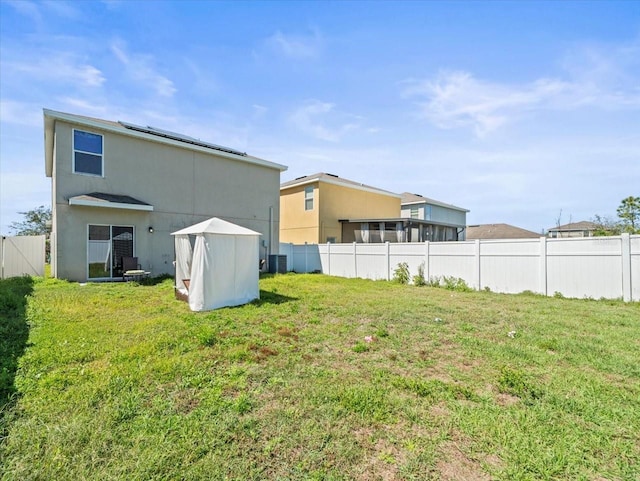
x: 119, y: 190
x: 313, y: 206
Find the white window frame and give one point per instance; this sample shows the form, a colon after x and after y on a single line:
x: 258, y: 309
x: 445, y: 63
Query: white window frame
x: 73, y: 154
x: 308, y: 196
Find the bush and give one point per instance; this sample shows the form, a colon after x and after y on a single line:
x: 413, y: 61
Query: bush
x: 455, y: 284
x: 401, y: 274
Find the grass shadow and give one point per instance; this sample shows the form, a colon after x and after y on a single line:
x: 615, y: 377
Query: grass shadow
x: 14, y: 332
x: 154, y: 281
x: 268, y: 297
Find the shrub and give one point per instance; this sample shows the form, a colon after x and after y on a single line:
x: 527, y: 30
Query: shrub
x: 455, y: 284
x: 401, y: 274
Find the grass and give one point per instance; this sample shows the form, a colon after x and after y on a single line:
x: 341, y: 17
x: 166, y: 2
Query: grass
x: 323, y: 378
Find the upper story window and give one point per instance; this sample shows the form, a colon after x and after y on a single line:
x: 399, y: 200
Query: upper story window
x: 87, y: 153
x: 415, y: 212
x: 308, y: 198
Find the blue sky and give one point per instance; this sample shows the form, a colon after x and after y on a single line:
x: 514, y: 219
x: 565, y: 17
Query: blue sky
x: 518, y: 111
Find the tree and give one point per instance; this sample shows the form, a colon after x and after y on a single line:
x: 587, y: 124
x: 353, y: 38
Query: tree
x: 629, y: 213
x: 605, y: 226
x: 36, y: 222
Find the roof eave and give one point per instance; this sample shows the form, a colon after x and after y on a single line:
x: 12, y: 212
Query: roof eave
x: 341, y: 184
x: 49, y: 124
x: 436, y: 203
x: 53, y: 115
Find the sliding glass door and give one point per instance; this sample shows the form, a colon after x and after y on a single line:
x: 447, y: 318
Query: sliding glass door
x: 107, y: 245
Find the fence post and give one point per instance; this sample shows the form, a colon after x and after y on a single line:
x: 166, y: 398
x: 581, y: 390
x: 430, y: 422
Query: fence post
x: 427, y: 273
x: 355, y: 261
x: 478, y: 273
x: 388, y: 261
x: 542, y: 273
x: 329, y: 257
x: 626, y: 266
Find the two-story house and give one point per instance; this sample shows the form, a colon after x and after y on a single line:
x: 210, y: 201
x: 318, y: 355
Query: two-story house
x: 317, y: 208
x: 442, y: 222
x: 119, y: 190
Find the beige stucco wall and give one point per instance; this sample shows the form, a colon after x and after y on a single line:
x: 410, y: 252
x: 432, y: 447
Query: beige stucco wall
x: 342, y: 202
x: 298, y: 225
x: 331, y: 203
x: 184, y: 187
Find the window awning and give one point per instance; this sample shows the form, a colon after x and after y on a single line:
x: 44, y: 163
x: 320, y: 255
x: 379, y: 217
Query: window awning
x: 112, y: 201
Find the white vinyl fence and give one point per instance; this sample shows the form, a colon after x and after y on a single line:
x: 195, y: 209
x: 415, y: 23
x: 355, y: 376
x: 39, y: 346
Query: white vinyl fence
x: 22, y: 255
x: 596, y: 267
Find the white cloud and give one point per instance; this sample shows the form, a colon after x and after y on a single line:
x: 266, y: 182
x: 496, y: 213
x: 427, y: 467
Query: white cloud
x: 20, y: 113
x: 457, y: 99
x: 61, y: 67
x: 315, y: 118
x: 296, y: 46
x: 603, y: 78
x: 140, y: 69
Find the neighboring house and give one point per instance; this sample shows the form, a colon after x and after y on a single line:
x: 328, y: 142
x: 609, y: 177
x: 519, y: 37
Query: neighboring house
x: 120, y: 189
x: 575, y: 229
x: 312, y: 207
x: 499, y: 231
x: 441, y: 222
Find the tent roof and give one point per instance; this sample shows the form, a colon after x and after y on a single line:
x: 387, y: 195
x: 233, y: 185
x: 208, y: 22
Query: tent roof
x: 216, y: 226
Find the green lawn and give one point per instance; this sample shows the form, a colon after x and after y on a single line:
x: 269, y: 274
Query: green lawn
x: 324, y: 379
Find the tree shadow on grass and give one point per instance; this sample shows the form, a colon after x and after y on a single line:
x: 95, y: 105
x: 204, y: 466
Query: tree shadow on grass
x: 14, y: 332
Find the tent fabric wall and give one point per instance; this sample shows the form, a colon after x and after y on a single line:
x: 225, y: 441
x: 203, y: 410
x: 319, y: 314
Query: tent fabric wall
x: 184, y: 255
x: 224, y: 264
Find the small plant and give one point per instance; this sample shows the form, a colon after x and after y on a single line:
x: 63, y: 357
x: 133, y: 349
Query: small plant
x: 401, y: 274
x: 419, y: 279
x: 360, y: 346
x: 517, y: 383
x: 382, y: 332
x: 434, y: 281
x: 558, y: 295
x: 455, y: 284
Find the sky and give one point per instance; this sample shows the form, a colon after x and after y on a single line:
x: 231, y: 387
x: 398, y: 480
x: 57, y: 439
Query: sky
x: 526, y: 113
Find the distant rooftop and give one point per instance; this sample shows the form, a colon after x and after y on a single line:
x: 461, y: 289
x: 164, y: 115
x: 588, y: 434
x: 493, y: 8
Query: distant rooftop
x: 499, y: 231
x: 575, y: 226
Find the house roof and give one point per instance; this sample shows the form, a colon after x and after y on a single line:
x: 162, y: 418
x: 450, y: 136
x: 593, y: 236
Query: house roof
x: 575, y: 226
x: 407, y: 198
x: 216, y: 225
x: 333, y: 179
x: 147, y: 133
x: 499, y: 231
x: 100, y: 199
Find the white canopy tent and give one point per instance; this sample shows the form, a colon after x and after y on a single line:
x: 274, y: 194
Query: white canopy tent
x: 222, y: 269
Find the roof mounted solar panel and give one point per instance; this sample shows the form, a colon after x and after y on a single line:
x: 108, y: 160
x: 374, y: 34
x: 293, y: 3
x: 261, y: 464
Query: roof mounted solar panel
x: 179, y: 137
